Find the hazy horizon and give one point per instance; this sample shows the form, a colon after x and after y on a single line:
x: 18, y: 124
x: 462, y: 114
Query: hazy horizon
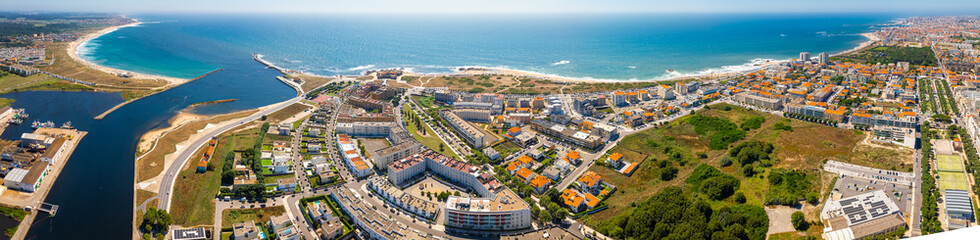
x: 500, y: 6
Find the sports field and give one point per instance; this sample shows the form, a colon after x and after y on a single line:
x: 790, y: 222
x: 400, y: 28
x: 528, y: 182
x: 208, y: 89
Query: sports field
x: 951, y: 180
x: 949, y: 163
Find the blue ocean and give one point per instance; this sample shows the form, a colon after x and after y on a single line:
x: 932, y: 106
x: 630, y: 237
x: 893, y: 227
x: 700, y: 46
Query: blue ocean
x: 589, y: 46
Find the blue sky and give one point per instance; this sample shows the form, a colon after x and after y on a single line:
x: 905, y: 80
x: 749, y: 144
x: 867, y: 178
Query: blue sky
x: 424, y: 6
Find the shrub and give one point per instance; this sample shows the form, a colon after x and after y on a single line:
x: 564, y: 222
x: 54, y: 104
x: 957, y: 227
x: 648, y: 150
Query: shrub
x: 799, y: 221
x: 725, y: 161
x: 782, y: 126
x: 668, y: 173
x: 701, y: 173
x: 749, y: 152
x: 812, y: 198
x: 740, y: 197
x: 748, y: 170
x: 719, y: 187
x: 753, y: 123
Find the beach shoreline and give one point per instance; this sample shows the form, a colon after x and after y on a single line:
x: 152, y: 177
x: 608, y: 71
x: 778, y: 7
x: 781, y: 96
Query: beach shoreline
x: 709, y: 73
x: 74, y: 46
x: 871, y: 38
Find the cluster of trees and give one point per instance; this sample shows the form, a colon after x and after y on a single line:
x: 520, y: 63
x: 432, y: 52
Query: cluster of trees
x: 925, y: 93
x: 914, y: 55
x: 673, y: 214
x: 250, y: 157
x: 943, y: 118
x: 787, y: 186
x: 552, y: 212
x: 943, y: 102
x: 852, y: 101
x: 754, y: 122
x: 722, y: 131
x: 930, y: 206
x: 782, y: 126
x: 813, y: 119
x: 155, y: 220
x: 753, y: 151
x: 441, y: 196
x: 949, y: 95
x: 712, y: 182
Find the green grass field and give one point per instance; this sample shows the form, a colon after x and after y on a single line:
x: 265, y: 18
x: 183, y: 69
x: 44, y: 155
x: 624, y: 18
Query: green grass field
x: 430, y: 140
x: 194, y: 192
x: 950, y: 180
x: 949, y: 163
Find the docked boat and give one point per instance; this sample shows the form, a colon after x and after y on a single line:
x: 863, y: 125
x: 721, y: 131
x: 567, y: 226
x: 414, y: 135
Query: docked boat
x: 37, y: 124
x: 67, y: 125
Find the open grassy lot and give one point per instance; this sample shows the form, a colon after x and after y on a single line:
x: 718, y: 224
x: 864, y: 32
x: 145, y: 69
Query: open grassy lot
x: 678, y: 143
x: 8, y: 80
x: 952, y: 180
x: 311, y: 82
x: 429, y: 140
x: 949, y: 163
x: 478, y: 83
x: 286, y: 112
x: 152, y: 164
x: 6, y: 102
x: 259, y: 215
x: 194, y: 192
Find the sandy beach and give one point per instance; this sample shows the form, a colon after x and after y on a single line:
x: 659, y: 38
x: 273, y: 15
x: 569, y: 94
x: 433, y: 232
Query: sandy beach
x: 872, y: 38
x: 182, y: 117
x: 73, y: 52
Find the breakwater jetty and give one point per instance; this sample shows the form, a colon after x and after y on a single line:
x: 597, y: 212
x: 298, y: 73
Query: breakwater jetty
x: 258, y: 58
x: 107, y: 112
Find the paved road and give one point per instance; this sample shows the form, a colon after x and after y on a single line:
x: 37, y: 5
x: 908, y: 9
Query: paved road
x: 167, y: 183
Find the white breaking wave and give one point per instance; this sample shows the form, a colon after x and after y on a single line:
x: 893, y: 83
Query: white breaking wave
x: 562, y: 62
x: 359, y: 68
x: 631, y: 67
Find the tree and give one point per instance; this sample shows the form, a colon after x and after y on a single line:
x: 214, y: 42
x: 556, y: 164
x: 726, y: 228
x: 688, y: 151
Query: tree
x: 748, y: 170
x: 228, y: 177
x: 740, y: 197
x: 561, y: 213
x: 156, y: 220
x: 544, y: 216
x: 799, y: 221
x: 666, y: 174
x: 812, y: 198
x: 725, y: 161
x: 719, y: 187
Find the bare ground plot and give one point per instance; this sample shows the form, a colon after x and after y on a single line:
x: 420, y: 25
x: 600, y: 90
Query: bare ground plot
x: 286, y: 112
x: 259, y: 215
x: 372, y: 145
x: 311, y: 82
x: 779, y: 219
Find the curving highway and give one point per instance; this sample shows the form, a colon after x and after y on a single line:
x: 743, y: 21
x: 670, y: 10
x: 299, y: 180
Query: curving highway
x: 167, y: 183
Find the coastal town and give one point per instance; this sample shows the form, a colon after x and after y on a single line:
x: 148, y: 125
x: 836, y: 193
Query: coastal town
x: 871, y: 143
